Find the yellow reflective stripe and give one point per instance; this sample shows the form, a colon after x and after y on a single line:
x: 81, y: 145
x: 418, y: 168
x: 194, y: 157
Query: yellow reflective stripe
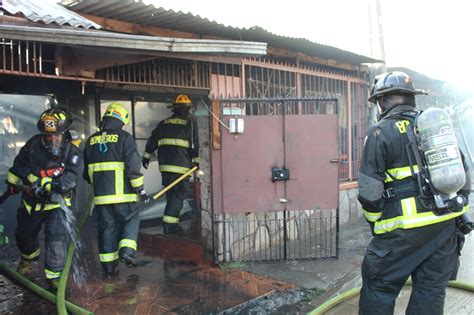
x: 109, y: 199
x: 48, y: 206
x: 12, y: 178
x: 173, y: 141
x: 108, y: 257
x: 118, y: 167
x: 137, y: 182
x: 168, y: 219
x: 176, y: 121
x: 400, y: 173
x: 372, y: 216
x: 32, y: 178
x: 33, y: 255
x: 414, y: 221
x: 173, y: 169
x: 128, y: 243
x: 147, y: 155
x: 46, y: 183
x: 408, y: 206
x: 181, y: 212
x: 51, y: 274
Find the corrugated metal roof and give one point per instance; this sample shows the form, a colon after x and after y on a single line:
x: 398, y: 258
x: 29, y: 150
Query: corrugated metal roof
x: 46, y: 12
x: 141, y: 43
x: 135, y: 11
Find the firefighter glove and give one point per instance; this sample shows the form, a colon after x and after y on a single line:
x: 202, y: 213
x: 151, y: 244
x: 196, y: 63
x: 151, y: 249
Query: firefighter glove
x: 52, y: 172
x: 12, y: 189
x: 3, y: 238
x: 145, y: 163
x: 144, y: 197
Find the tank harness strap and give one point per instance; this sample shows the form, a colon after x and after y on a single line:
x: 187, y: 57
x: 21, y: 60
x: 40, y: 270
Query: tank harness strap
x: 400, y: 189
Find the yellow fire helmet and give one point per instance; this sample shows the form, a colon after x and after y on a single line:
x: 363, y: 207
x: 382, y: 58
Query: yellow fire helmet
x: 182, y: 101
x: 117, y: 110
x: 54, y: 121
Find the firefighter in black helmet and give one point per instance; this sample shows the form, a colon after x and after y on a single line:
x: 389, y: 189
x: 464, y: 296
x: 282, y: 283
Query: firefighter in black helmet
x: 176, y: 139
x: 47, y: 164
x: 112, y: 167
x: 409, y: 238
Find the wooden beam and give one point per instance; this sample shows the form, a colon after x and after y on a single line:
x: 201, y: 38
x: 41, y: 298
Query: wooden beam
x: 137, y: 29
x: 216, y: 133
x: 278, y: 52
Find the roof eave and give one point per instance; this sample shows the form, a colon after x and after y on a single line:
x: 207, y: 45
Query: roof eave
x: 132, y: 42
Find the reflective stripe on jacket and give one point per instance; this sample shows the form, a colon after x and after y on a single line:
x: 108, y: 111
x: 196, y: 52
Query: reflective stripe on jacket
x: 385, y: 161
x: 176, y: 139
x: 112, y: 166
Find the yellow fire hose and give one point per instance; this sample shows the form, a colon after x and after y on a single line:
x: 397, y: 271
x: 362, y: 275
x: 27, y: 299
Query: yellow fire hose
x: 349, y: 294
x: 164, y: 190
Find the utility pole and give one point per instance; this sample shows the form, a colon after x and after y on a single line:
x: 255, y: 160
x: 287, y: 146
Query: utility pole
x: 377, y: 49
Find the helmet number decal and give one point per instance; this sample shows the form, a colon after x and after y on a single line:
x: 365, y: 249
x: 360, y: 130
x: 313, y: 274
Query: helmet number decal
x: 50, y: 125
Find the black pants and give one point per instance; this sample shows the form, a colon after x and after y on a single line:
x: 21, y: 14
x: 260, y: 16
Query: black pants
x: 174, y: 197
x: 55, y: 236
x: 427, y: 254
x: 115, y: 234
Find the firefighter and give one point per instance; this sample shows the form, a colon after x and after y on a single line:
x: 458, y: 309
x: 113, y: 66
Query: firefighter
x: 112, y: 167
x: 410, y: 239
x: 176, y: 139
x: 47, y: 165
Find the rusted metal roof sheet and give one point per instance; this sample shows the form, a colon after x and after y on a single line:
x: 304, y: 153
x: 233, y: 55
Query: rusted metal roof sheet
x: 135, y: 11
x: 46, y: 12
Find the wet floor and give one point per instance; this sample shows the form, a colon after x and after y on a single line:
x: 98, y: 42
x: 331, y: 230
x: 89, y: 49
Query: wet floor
x: 175, y: 278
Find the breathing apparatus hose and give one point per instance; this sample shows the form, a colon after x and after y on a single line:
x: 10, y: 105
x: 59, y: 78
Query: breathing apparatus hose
x: 349, y: 294
x: 61, y: 292
x: 40, y: 291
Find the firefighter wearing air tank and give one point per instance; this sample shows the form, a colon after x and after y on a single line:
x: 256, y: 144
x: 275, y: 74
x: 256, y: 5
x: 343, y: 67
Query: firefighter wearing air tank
x: 112, y: 167
x: 413, y: 235
x: 45, y: 170
x: 176, y: 139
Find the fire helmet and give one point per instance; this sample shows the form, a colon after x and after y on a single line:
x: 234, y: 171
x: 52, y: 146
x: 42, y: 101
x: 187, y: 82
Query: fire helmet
x: 395, y: 82
x: 182, y: 101
x: 52, y: 124
x: 116, y: 110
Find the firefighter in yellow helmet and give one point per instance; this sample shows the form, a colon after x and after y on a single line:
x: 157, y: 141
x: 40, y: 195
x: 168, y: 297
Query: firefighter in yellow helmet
x: 48, y: 165
x: 112, y: 167
x: 176, y: 139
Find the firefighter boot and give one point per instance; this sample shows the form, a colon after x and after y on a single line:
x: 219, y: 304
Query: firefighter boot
x: 172, y: 228
x: 127, y: 256
x: 109, y: 272
x: 25, y: 267
x: 53, y: 284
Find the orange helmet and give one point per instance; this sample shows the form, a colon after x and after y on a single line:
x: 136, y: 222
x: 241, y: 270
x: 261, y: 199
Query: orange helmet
x: 182, y: 101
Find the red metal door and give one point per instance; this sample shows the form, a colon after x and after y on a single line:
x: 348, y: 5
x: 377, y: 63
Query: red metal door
x: 306, y: 144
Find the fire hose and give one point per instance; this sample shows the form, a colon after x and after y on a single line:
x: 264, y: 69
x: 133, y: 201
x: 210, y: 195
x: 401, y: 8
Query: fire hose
x: 61, y: 304
x: 163, y: 191
x: 351, y: 293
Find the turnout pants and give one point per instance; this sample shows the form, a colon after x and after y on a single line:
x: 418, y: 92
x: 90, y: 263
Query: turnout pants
x: 116, y: 236
x: 174, y: 197
x: 428, y: 254
x: 55, y: 238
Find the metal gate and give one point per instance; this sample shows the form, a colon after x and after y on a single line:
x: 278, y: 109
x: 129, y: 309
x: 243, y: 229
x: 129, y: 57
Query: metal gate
x: 275, y: 179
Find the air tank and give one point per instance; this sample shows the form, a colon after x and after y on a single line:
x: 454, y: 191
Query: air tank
x: 440, y: 148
